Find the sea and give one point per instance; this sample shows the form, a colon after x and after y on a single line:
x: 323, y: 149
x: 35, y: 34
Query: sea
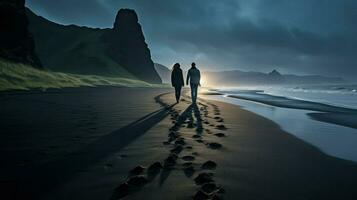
x: 335, y: 140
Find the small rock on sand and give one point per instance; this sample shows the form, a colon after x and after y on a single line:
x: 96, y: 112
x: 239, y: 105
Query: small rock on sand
x: 203, y: 178
x: 209, y: 165
x: 137, y: 170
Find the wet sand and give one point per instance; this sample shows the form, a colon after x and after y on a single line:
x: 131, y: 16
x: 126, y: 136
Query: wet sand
x: 153, y: 148
x: 319, y: 111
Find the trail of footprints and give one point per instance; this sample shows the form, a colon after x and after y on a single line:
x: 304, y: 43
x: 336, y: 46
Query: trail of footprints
x: 176, y: 143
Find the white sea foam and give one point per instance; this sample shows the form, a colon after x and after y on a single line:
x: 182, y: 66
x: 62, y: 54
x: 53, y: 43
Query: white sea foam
x: 336, y: 140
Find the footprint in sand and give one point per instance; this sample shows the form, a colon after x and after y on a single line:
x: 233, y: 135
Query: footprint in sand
x: 129, y: 186
x: 188, y: 158
x: 199, y: 141
x: 196, y: 136
x: 137, y: 181
x: 154, y: 168
x: 189, y: 147
x: 170, y: 161
x: 203, y: 178
x: 180, y: 141
x: 137, y: 170
x: 187, y: 164
x: 189, y: 171
x: 177, y: 149
x: 220, y: 134
x: 218, y: 119
x: 209, y: 188
x: 209, y: 165
x: 214, y: 145
x: 221, y: 127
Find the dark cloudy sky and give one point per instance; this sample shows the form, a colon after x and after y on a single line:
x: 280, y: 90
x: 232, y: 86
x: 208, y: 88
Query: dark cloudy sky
x: 303, y: 37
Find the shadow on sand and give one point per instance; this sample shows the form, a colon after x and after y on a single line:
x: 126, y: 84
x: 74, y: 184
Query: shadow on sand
x: 39, y: 180
x: 187, y: 116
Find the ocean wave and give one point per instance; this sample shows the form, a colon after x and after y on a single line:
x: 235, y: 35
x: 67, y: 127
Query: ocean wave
x: 338, y: 96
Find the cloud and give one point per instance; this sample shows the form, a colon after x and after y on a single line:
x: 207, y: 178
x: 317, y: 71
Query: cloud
x: 307, y: 36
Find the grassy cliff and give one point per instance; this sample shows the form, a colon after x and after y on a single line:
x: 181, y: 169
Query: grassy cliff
x: 15, y: 76
x: 73, y: 49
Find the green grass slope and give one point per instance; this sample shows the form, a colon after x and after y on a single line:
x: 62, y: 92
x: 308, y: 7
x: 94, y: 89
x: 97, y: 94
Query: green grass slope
x: 73, y: 49
x: 15, y: 76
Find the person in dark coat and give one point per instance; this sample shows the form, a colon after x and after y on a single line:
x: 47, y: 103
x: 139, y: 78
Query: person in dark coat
x: 177, y: 80
x: 194, y: 77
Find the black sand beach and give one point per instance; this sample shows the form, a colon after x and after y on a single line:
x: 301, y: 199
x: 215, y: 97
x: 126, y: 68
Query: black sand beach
x: 101, y: 144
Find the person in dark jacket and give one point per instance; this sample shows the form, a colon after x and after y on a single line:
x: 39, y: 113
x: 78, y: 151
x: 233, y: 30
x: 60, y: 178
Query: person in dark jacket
x: 194, y: 77
x: 177, y: 80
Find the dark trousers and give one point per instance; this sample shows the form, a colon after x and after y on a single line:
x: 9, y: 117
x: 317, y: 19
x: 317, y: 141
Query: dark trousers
x: 194, y: 88
x: 178, y: 92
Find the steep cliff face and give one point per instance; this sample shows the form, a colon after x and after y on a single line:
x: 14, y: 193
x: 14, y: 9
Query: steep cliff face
x: 164, y: 72
x: 16, y: 43
x: 127, y: 46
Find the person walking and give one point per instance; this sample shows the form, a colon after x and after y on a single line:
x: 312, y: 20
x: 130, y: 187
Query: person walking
x: 194, y: 77
x: 177, y: 81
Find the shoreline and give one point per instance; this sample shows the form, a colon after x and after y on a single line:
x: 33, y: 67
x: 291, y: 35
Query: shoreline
x: 332, y: 138
x: 333, y: 114
x: 250, y: 161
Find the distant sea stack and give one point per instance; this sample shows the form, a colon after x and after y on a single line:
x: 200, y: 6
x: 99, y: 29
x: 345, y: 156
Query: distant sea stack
x: 127, y: 46
x: 16, y: 43
x: 276, y: 77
